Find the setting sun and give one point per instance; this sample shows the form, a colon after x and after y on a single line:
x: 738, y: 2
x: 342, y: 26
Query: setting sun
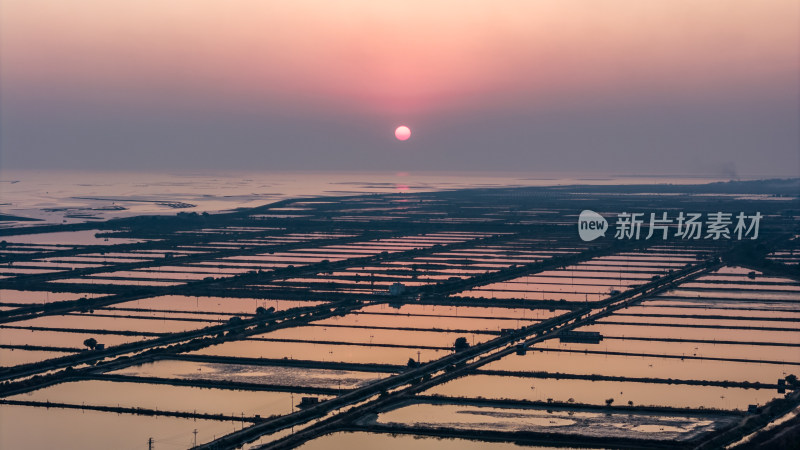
x: 402, y: 133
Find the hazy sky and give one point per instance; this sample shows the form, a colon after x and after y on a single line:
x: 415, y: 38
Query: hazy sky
x: 621, y: 86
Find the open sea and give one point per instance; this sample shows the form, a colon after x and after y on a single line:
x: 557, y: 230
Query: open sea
x: 53, y: 197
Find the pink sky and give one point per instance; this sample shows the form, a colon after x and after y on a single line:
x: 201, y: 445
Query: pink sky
x: 400, y: 55
x: 402, y: 60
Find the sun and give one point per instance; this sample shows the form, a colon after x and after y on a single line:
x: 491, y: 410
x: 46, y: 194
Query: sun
x: 402, y: 133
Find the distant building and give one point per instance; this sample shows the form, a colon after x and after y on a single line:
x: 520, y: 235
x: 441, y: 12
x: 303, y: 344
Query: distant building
x: 305, y: 402
x: 397, y: 289
x: 585, y: 337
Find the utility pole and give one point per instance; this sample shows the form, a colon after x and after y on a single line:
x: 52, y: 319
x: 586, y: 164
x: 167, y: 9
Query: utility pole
x: 150, y: 444
x: 195, y: 437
